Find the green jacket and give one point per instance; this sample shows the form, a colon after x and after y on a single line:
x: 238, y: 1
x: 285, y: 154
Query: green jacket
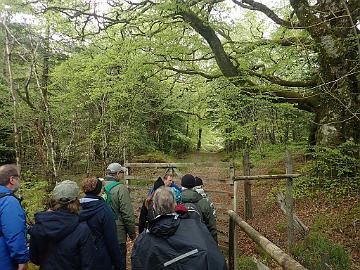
x: 121, y: 203
x: 191, y: 196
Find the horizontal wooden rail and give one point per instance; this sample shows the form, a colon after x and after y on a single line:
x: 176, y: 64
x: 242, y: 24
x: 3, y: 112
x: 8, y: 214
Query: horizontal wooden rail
x: 270, y: 248
x: 177, y: 165
x: 265, y: 177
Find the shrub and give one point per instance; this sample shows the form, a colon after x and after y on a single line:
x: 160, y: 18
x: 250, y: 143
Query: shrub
x: 317, y: 252
x: 246, y: 263
x: 334, y: 171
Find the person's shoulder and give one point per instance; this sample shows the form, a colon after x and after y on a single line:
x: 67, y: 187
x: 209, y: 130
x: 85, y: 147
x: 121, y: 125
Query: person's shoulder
x: 9, y: 199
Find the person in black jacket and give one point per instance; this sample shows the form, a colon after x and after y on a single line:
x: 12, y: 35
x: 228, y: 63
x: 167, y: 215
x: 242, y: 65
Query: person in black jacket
x: 58, y: 240
x: 99, y: 217
x: 146, y: 212
x: 174, y: 241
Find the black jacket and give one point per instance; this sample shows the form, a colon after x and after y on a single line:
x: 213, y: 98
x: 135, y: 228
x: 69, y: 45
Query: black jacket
x: 60, y: 241
x: 176, y: 243
x: 99, y: 218
x: 146, y: 215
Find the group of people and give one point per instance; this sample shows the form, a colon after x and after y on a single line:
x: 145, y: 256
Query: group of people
x: 177, y: 225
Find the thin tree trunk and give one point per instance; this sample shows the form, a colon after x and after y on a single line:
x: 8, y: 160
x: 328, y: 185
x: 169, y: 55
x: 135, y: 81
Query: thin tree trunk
x: 43, y: 86
x: 12, y: 92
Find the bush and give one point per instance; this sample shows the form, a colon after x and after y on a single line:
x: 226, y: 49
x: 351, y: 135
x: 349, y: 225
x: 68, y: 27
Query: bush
x: 334, y: 171
x: 317, y: 252
x: 246, y: 263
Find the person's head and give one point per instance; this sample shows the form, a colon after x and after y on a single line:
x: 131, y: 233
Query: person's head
x: 188, y: 181
x: 168, y: 179
x: 116, y: 170
x: 65, y: 196
x: 10, y: 176
x: 92, y: 186
x: 158, y: 183
x: 164, y: 201
x: 198, y: 181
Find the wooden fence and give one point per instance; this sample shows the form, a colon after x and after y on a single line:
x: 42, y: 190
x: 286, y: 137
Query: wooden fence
x: 283, y: 259
x: 218, y: 189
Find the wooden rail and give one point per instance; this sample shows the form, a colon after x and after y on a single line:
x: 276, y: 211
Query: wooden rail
x: 283, y: 259
x: 265, y: 177
x: 177, y: 165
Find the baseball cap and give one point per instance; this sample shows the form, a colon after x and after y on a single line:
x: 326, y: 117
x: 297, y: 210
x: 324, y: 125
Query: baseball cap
x: 66, y: 190
x: 115, y: 167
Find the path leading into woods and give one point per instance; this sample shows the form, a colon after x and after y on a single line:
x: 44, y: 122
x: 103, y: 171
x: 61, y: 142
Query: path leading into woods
x: 268, y: 219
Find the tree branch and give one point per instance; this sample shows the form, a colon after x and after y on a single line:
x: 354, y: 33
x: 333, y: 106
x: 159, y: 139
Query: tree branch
x: 253, y: 5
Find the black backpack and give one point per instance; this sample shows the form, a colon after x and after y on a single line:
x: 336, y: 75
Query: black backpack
x: 194, y: 211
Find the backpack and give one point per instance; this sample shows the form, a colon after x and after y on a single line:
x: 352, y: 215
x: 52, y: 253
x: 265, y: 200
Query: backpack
x: 194, y: 211
x: 107, y: 196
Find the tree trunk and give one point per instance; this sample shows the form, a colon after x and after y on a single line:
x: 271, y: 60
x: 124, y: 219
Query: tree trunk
x: 199, y: 139
x: 12, y: 93
x: 44, y: 95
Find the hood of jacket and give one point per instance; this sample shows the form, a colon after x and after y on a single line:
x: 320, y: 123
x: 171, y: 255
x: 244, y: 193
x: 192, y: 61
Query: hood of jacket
x: 55, y: 225
x: 189, y: 195
x: 164, y: 226
x: 90, y: 205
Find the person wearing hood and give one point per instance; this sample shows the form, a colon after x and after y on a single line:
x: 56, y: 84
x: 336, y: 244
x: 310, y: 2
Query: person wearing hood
x: 99, y: 217
x: 174, y: 241
x: 58, y: 240
x: 146, y: 212
x: 189, y: 195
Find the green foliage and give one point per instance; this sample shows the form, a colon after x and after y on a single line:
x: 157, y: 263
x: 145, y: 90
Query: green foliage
x: 155, y: 157
x: 281, y: 227
x: 254, y: 120
x: 246, y: 263
x: 334, y: 171
x: 33, y: 190
x: 317, y: 252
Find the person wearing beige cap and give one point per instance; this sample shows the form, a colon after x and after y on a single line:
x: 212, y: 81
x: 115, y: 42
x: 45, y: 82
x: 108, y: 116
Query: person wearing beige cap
x: 58, y: 240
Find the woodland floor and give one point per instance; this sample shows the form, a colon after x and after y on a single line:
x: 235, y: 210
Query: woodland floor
x: 335, y: 218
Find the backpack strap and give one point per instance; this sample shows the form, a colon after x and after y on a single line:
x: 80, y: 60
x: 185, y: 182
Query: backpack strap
x: 2, y: 195
x: 110, y: 186
x: 193, y: 210
x: 107, y: 190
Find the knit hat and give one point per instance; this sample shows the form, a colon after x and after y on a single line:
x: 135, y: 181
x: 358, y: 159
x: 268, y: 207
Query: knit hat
x: 158, y: 183
x: 188, y: 181
x: 67, y: 189
x: 198, y: 181
x: 92, y: 186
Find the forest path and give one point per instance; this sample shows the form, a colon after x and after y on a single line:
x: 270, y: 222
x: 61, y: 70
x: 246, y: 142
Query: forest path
x: 268, y: 219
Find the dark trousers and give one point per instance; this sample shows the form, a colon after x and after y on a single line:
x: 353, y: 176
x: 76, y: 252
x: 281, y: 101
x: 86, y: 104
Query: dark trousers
x: 123, y: 255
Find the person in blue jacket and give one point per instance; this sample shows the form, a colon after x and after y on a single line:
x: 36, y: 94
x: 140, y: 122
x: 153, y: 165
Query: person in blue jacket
x: 99, y: 217
x: 168, y: 182
x: 58, y: 239
x: 13, y: 250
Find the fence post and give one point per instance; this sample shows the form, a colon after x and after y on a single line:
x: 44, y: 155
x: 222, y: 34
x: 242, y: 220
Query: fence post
x: 235, y: 207
x: 247, y: 185
x: 231, y: 244
x: 290, y: 201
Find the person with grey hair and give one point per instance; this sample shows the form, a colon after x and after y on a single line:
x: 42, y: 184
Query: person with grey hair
x: 58, y: 239
x: 175, y: 241
x: 121, y: 206
x: 13, y: 250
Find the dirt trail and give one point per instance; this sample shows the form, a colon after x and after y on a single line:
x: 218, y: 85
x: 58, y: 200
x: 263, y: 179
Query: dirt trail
x: 268, y: 218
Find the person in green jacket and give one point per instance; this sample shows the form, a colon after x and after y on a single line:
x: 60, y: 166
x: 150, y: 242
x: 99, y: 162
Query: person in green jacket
x: 189, y: 195
x: 121, y: 205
